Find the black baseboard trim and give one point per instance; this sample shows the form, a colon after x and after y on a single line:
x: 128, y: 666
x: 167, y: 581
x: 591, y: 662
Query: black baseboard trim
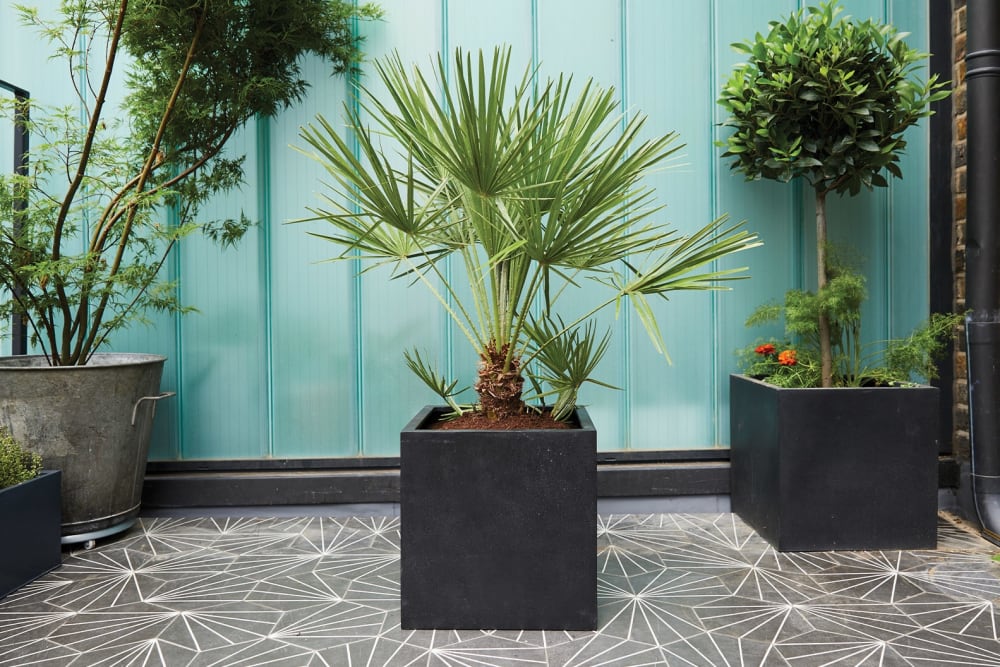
x: 235, y: 484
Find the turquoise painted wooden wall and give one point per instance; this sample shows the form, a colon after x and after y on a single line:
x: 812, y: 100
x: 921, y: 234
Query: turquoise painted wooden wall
x: 293, y: 357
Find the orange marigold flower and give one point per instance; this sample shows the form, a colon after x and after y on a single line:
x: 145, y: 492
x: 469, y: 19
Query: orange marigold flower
x: 765, y: 349
x: 787, y: 358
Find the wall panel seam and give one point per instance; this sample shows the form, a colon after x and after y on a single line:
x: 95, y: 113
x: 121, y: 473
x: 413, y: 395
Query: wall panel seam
x: 263, y: 152
x: 352, y: 81
x: 625, y: 419
x: 714, y: 411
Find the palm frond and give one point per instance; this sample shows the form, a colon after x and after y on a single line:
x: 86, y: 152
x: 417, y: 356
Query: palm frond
x: 569, y: 356
x: 527, y: 182
x: 433, y: 379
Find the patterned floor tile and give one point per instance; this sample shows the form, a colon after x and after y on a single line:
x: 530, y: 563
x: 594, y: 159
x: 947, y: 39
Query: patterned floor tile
x: 673, y: 589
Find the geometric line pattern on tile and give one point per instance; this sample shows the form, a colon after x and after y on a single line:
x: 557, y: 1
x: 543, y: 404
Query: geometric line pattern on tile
x: 684, y: 589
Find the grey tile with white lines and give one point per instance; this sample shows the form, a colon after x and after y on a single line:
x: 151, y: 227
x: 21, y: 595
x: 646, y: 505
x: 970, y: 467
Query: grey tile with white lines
x: 673, y: 589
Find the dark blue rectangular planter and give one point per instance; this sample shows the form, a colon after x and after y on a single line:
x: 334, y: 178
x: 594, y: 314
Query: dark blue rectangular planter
x: 498, y: 528
x: 835, y: 469
x: 30, y: 519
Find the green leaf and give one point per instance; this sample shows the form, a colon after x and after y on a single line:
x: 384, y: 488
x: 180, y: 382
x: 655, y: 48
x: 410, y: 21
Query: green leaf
x: 434, y: 380
x: 805, y: 162
x: 854, y: 93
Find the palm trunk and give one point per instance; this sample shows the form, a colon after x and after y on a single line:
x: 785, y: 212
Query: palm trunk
x: 499, y: 386
x: 825, y: 351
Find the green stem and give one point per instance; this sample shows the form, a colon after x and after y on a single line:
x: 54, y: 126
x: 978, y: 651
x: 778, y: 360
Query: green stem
x: 533, y: 288
x: 473, y: 338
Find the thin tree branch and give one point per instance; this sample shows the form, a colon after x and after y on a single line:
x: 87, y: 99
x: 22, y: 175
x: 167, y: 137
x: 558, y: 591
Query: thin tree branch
x: 147, y: 169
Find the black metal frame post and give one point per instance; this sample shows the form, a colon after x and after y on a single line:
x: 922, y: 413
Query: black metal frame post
x: 18, y: 329
x: 942, y: 274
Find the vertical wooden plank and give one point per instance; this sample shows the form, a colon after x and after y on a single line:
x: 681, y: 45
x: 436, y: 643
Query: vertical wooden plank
x: 587, y: 49
x: 25, y: 57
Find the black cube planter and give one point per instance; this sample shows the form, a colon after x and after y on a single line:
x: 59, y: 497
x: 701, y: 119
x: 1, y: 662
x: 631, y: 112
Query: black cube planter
x: 30, y: 519
x: 498, y: 528
x: 835, y: 469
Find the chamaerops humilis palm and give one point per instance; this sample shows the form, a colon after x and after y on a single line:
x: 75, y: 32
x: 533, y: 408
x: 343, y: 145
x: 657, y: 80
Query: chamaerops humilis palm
x: 526, y: 189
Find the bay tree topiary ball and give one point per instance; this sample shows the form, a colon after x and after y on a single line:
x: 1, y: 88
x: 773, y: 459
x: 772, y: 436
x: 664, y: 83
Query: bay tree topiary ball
x: 827, y: 98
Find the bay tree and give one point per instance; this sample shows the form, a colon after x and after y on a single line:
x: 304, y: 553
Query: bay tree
x: 827, y: 98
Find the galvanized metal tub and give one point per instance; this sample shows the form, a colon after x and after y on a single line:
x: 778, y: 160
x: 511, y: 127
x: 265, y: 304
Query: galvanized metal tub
x: 92, y: 422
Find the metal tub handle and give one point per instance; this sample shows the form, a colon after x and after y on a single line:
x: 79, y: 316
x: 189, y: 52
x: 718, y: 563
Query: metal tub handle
x: 135, y: 408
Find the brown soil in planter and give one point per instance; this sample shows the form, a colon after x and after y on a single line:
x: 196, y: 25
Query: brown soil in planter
x: 477, y: 421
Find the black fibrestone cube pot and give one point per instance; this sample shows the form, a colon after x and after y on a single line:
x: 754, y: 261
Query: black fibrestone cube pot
x: 835, y: 469
x: 30, y: 518
x: 498, y: 528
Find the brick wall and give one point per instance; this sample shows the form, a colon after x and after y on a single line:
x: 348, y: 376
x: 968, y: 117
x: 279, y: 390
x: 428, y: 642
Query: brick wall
x: 961, y: 391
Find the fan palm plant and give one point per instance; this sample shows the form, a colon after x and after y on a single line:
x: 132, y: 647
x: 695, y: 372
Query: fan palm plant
x: 529, y: 188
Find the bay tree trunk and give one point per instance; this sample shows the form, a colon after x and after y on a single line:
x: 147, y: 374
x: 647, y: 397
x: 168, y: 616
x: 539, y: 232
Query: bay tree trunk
x: 825, y: 352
